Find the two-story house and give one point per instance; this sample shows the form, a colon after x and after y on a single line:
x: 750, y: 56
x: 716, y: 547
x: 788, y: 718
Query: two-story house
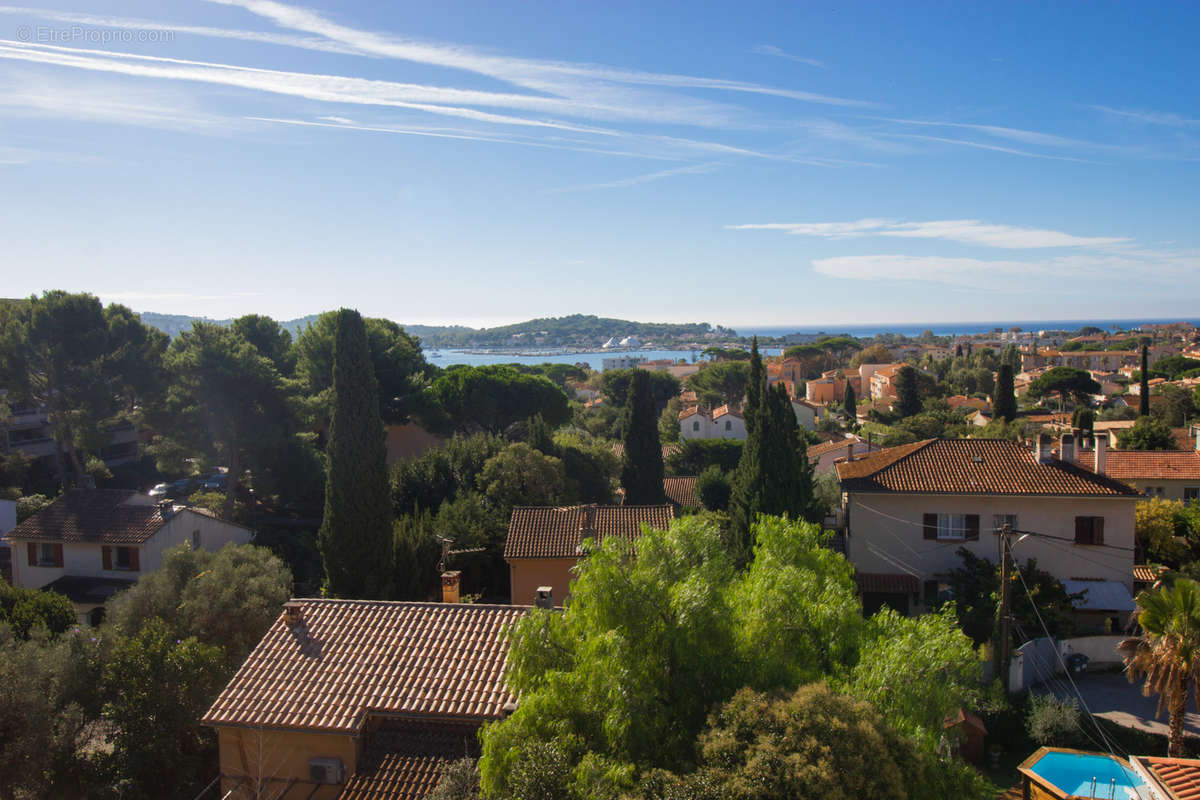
x: 361, y: 700
x: 90, y: 544
x: 724, y: 422
x: 909, y: 509
x: 545, y: 542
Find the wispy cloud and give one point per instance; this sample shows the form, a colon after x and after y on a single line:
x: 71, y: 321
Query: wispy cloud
x: 1167, y: 118
x: 999, y: 131
x: 694, y: 169
x: 995, y: 148
x: 963, y: 231
x: 772, y: 50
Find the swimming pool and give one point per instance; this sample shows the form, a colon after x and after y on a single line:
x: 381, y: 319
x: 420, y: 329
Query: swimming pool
x: 1073, y: 773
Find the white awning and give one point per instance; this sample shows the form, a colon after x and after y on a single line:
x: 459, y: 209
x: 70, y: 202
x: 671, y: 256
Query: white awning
x: 1101, y: 595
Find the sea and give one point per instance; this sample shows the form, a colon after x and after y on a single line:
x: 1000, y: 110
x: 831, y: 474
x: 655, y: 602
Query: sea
x: 446, y: 358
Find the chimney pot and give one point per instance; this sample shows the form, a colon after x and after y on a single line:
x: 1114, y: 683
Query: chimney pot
x: 1044, y: 453
x: 450, y: 586
x: 1101, y: 452
x: 293, y: 613
x: 166, y: 508
x: 1067, y: 447
x: 545, y: 597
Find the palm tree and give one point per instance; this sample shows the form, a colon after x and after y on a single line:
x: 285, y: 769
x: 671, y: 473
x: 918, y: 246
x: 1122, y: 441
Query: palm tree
x: 1167, y: 652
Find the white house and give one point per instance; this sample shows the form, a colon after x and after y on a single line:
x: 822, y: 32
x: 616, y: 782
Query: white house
x: 723, y: 423
x: 90, y: 544
x: 621, y: 362
x: 807, y: 413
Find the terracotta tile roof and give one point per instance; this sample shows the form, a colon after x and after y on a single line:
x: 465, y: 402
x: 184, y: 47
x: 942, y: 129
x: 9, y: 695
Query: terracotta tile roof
x: 1131, y: 465
x: 886, y: 583
x: 349, y: 658
x: 682, y: 491
x: 690, y: 410
x: 726, y: 409
x: 1147, y: 573
x: 669, y: 449
x: 407, y: 765
x: 972, y: 466
x: 92, y: 515
x: 815, y: 451
x: 1179, y: 776
x: 557, y: 532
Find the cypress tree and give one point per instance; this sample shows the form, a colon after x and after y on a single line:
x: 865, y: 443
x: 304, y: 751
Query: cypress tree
x: 850, y: 403
x: 1144, y: 397
x: 908, y: 395
x: 755, y: 386
x: 774, y: 475
x: 642, y: 463
x: 1005, y: 404
x: 356, y: 532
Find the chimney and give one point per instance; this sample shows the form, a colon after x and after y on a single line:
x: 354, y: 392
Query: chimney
x: 293, y: 613
x: 166, y: 508
x: 1101, y: 452
x: 545, y: 597
x: 1067, y: 449
x: 850, y: 451
x: 450, y: 586
x: 1044, y: 453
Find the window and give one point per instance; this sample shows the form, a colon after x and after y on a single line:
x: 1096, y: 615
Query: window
x: 696, y: 425
x: 1153, y: 491
x: 120, y: 558
x: 728, y: 425
x: 46, y: 556
x: 1000, y: 520
x: 951, y: 527
x: 1191, y: 494
x: 1089, y: 530
x: 196, y: 539
x: 122, y: 561
x: 937, y: 593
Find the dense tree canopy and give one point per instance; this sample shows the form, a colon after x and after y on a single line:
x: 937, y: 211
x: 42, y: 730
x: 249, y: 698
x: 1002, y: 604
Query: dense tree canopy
x: 615, y: 384
x: 471, y: 399
x: 1148, y: 433
x: 1064, y: 382
x: 720, y: 383
x: 641, y: 460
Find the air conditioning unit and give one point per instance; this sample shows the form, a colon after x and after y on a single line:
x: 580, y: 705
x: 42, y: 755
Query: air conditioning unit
x: 325, y: 770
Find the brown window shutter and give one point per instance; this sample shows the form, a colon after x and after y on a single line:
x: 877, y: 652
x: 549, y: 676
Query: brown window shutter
x: 972, y: 527
x: 1097, y: 530
x: 1083, y: 530
x: 58, y: 555
x: 106, y: 556
x: 133, y: 560
x: 31, y: 549
x: 930, y: 521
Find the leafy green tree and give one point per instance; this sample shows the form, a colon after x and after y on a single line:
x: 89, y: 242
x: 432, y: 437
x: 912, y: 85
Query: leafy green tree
x: 1174, y: 367
x: 908, y: 392
x: 226, y: 401
x: 1161, y: 527
x: 459, y: 781
x: 616, y: 383
x: 1012, y: 357
x: 1148, y: 433
x: 157, y: 689
x: 1175, y: 405
x: 756, y: 384
x: 400, y: 368
x: 1166, y: 653
x: 472, y: 521
x: 721, y: 383
x: 696, y: 455
x: 714, y: 489
x: 774, y: 475
x: 1084, y: 419
x: 520, y: 475
x: 26, y: 610
x: 270, y: 339
x: 1005, y: 403
x: 225, y: 599
x: 590, y: 464
x: 808, y: 744
x: 641, y: 462
x: 1065, y: 382
x: 491, y: 398
x: 668, y: 421
x: 877, y: 353
x: 416, y: 552
x: 83, y: 365
x: 850, y: 404
x: 811, y: 358
x: 1144, y: 378
x: 356, y: 532
x: 434, y: 477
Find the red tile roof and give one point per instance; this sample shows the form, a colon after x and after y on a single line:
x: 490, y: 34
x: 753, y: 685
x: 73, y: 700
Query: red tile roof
x: 726, y: 409
x: 972, y: 466
x: 886, y: 583
x: 407, y: 765
x: 349, y: 658
x: 557, y: 532
x: 92, y: 515
x: 1179, y: 776
x: 1146, y: 573
x: 1132, y: 465
x: 682, y: 491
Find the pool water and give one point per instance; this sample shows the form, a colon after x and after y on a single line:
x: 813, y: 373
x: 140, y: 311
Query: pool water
x: 1072, y: 774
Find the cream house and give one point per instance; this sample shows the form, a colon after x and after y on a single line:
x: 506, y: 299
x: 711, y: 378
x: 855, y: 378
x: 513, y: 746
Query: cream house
x: 725, y: 422
x: 90, y: 544
x: 909, y: 509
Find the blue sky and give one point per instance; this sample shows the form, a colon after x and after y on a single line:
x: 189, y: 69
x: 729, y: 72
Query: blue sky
x: 487, y: 162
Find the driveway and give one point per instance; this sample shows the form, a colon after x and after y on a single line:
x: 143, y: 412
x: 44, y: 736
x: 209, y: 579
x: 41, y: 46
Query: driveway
x: 1112, y: 696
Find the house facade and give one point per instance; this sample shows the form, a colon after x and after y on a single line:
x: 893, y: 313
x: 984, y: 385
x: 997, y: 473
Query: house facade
x: 909, y: 509
x: 91, y: 543
x: 1170, y: 474
x: 724, y: 422
x: 545, y: 542
x: 357, y: 699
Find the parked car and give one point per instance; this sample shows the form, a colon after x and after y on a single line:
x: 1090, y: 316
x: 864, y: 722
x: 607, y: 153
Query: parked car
x: 159, y: 490
x: 184, y: 486
x: 214, y: 483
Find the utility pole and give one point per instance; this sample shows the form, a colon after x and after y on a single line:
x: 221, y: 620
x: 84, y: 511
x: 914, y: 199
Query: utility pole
x: 1005, y: 607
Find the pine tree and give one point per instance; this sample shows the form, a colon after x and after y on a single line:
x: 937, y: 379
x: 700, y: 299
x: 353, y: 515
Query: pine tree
x: 754, y: 387
x: 1005, y: 401
x: 1144, y: 397
x: 642, y: 463
x: 356, y: 533
x: 850, y: 403
x: 774, y: 475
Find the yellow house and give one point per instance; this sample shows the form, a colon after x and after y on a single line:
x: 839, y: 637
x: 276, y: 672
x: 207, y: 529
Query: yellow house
x: 544, y: 542
x: 358, y: 699
x: 909, y: 509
